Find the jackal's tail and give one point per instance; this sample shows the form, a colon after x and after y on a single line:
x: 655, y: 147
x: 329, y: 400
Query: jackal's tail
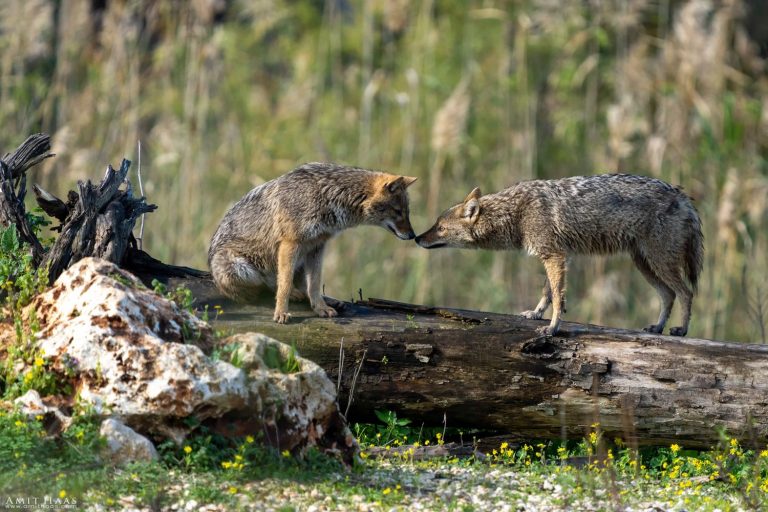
x: 694, y: 250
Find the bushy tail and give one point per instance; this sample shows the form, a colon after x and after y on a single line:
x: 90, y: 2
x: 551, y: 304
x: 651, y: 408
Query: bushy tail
x: 694, y: 250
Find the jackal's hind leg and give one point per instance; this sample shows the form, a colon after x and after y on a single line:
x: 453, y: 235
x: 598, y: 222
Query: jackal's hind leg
x: 541, y: 307
x: 313, y: 265
x: 299, y: 290
x: 555, y: 267
x: 666, y: 294
x: 239, y: 279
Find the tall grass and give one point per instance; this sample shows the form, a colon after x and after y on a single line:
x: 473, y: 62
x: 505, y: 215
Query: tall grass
x: 460, y: 94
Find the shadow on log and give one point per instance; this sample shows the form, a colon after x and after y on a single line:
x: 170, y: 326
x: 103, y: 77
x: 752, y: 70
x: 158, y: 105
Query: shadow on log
x: 495, y: 372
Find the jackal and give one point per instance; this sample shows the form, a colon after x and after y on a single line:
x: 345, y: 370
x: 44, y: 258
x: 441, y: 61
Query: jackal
x: 274, y: 236
x: 656, y: 223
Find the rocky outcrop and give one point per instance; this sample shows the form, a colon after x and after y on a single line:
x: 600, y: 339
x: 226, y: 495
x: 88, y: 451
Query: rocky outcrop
x: 132, y: 351
x: 123, y: 444
x: 136, y: 357
x: 31, y: 405
x: 292, y: 396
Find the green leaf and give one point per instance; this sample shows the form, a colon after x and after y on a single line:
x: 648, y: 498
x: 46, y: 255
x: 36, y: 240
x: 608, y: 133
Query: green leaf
x: 385, y: 416
x: 9, y: 240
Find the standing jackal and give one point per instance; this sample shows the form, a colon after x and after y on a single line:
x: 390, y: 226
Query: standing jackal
x: 274, y: 236
x: 656, y: 223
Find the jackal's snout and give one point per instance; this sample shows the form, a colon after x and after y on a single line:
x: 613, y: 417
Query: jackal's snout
x: 401, y: 229
x: 429, y: 239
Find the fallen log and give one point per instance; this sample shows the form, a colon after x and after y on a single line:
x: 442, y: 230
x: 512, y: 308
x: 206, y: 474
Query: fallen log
x: 495, y: 372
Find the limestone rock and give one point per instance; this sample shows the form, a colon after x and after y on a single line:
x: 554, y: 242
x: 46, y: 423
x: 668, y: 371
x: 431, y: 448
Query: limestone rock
x: 124, y: 445
x: 32, y: 406
x: 126, y: 347
x: 293, y: 397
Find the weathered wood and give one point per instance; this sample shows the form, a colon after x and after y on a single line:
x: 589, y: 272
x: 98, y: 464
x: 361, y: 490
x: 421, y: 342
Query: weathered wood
x: 98, y: 220
x: 493, y: 371
x: 13, y: 187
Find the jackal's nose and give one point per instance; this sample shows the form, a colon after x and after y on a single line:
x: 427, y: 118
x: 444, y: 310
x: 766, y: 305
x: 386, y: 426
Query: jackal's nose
x: 410, y: 235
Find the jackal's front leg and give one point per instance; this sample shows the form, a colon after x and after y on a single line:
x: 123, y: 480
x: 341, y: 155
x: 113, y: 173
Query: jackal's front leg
x: 555, y: 267
x: 287, y: 254
x: 313, y: 265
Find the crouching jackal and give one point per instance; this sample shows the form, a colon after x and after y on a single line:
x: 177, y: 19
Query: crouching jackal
x: 656, y: 223
x: 275, y: 235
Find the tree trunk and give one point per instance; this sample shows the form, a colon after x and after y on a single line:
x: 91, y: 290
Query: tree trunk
x: 492, y: 371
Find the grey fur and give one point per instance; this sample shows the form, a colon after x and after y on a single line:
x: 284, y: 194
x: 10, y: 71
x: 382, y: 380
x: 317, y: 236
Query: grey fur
x: 656, y: 223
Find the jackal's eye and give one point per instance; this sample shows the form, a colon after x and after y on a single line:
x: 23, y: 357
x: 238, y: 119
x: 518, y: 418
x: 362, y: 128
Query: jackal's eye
x: 441, y: 229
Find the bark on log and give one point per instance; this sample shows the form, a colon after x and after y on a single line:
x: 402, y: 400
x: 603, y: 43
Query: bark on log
x: 493, y: 371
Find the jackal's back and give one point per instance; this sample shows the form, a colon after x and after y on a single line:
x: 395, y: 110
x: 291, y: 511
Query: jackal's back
x: 601, y: 214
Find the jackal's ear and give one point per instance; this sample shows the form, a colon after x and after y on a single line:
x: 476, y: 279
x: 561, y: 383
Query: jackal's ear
x: 475, y: 194
x: 399, y: 183
x: 471, y: 208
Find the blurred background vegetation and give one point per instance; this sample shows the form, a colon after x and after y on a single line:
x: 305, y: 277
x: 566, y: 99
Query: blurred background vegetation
x: 226, y: 94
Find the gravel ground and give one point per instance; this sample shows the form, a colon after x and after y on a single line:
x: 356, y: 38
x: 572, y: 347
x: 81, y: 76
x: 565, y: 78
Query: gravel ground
x: 397, y: 486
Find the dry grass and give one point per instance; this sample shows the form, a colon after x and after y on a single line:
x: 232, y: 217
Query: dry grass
x: 461, y: 94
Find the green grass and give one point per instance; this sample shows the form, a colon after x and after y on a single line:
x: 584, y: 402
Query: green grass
x: 238, y: 475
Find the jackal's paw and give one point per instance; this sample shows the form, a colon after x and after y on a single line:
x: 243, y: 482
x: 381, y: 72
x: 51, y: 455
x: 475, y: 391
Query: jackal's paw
x: 547, y: 331
x: 325, y: 311
x: 678, y: 331
x: 281, y: 317
x: 532, y: 314
x: 655, y: 329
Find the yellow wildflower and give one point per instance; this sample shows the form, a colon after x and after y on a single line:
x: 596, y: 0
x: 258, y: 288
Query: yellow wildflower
x: 674, y: 448
x: 386, y: 491
x: 249, y: 439
x: 62, y: 494
x: 233, y: 490
x: 286, y: 453
x: 187, y: 449
x: 39, y: 361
